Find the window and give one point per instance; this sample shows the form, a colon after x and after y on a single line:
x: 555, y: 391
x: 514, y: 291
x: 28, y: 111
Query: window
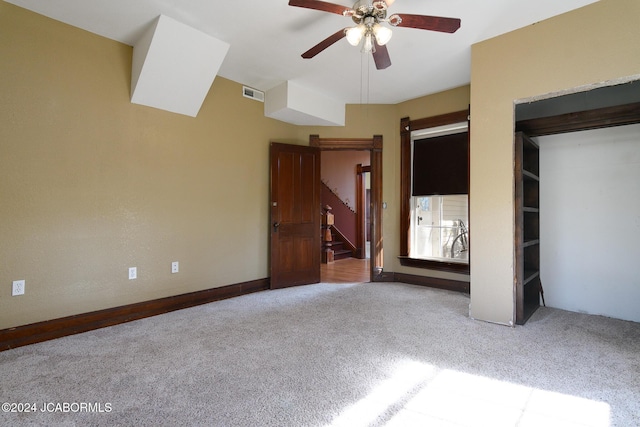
x: 439, y: 228
x: 435, y: 187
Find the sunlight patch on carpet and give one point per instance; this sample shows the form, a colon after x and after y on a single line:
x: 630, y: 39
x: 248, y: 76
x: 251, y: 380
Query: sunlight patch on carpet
x: 419, y: 394
x: 406, y: 377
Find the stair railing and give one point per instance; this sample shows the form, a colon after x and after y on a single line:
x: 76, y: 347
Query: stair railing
x: 327, y: 239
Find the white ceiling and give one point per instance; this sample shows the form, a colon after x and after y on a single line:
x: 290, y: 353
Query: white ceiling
x: 268, y: 36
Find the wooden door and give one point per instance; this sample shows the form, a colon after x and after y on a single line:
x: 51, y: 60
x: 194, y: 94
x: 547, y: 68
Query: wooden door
x: 295, y: 215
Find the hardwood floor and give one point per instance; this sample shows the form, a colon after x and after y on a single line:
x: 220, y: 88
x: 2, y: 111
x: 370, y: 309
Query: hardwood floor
x: 347, y: 270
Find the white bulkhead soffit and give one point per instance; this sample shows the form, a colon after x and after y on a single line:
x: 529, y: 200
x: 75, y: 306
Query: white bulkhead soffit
x: 174, y: 66
x: 295, y: 104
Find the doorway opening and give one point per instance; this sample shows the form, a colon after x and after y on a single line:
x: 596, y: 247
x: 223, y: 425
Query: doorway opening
x: 343, y: 198
x: 373, y: 264
x: 346, y: 189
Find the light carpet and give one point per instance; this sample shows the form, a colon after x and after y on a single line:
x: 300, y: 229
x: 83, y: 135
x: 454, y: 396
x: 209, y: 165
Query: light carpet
x: 375, y: 354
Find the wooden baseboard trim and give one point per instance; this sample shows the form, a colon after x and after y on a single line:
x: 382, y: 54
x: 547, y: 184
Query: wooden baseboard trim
x: 432, y: 282
x: 384, y: 276
x: 64, y: 326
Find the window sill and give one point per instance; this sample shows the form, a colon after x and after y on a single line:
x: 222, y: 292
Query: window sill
x: 452, y: 267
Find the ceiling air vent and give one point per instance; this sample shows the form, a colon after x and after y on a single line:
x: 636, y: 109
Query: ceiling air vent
x: 248, y: 92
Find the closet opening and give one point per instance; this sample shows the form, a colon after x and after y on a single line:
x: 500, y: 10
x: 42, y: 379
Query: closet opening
x: 589, y: 175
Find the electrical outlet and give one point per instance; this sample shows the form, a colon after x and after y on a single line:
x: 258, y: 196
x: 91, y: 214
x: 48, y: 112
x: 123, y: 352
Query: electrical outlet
x: 18, y: 288
x: 175, y: 267
x: 133, y: 273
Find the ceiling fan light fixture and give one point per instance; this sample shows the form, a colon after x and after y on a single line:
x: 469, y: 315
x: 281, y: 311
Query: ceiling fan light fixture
x: 368, y: 46
x: 368, y: 15
x: 354, y: 34
x: 383, y: 34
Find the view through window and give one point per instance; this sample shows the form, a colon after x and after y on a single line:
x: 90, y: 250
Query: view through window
x: 439, y: 227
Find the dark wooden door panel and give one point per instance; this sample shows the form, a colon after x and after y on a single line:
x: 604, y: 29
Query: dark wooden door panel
x: 296, y: 254
x: 285, y: 180
x: 295, y: 215
x: 305, y: 248
x: 309, y: 190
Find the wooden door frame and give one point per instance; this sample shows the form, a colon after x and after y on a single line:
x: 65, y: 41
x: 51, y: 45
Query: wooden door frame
x: 374, y: 146
x: 597, y: 118
x: 361, y: 202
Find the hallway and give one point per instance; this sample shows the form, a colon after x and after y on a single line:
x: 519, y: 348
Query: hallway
x: 349, y: 270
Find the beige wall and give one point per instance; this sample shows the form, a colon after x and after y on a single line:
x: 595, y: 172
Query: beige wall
x: 91, y: 184
x: 592, y: 46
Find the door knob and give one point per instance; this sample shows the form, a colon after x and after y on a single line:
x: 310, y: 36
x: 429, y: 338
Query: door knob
x: 275, y: 226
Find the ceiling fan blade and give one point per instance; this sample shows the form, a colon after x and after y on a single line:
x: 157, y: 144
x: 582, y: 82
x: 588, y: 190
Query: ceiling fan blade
x: 381, y: 57
x: 338, y: 35
x: 425, y: 22
x: 321, y: 5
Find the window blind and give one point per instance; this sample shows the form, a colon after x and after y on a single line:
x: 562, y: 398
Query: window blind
x: 441, y: 165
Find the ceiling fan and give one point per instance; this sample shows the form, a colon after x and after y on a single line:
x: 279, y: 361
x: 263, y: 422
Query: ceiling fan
x: 368, y: 16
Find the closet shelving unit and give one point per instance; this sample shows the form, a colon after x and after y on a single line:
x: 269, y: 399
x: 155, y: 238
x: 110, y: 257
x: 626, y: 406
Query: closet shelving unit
x: 527, y: 227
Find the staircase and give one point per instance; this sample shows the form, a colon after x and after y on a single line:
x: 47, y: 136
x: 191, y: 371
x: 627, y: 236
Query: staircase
x: 335, y: 245
x: 340, y: 248
x: 343, y: 217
